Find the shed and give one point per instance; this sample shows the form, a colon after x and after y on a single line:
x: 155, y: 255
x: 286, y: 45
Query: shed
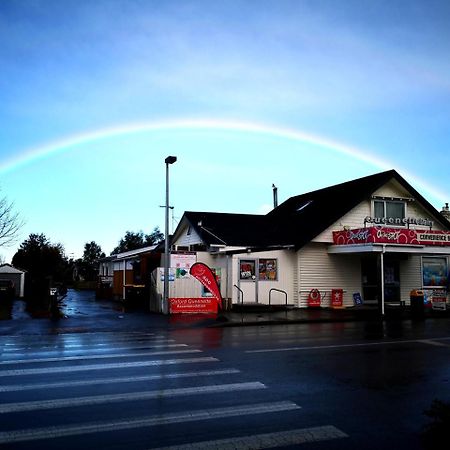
x: 17, y: 276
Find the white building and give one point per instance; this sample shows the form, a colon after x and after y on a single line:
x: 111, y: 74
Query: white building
x: 375, y: 237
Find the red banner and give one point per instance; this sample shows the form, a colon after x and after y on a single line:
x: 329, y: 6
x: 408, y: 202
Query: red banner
x: 204, y: 274
x: 193, y: 305
x: 384, y: 235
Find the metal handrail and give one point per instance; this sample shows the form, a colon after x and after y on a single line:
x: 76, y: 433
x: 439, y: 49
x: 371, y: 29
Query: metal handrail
x: 241, y: 291
x: 278, y: 290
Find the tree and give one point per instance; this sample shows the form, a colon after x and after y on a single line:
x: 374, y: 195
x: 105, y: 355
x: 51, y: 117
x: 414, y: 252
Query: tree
x: 45, y: 262
x: 135, y: 240
x: 10, y: 223
x: 88, y: 264
x: 39, y: 257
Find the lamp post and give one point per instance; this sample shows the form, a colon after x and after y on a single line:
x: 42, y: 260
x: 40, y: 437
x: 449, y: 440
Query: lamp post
x: 165, y: 306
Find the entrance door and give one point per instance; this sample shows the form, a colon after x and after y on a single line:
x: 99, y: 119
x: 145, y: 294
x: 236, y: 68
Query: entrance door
x: 391, y: 280
x: 248, y: 281
x: 371, y: 279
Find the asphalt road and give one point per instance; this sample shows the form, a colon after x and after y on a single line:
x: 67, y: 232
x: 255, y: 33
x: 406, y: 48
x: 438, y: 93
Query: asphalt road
x: 145, y: 383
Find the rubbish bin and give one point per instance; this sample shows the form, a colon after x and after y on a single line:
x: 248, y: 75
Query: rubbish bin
x: 417, y: 306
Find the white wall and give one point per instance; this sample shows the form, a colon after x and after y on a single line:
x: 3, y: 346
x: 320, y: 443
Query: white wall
x: 317, y: 269
x: 287, y: 273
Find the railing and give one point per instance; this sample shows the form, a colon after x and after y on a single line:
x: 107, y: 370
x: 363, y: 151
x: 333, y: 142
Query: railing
x: 241, y: 291
x: 278, y: 290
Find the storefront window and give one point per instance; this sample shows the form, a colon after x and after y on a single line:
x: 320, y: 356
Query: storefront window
x: 247, y: 269
x: 435, y: 272
x: 268, y: 269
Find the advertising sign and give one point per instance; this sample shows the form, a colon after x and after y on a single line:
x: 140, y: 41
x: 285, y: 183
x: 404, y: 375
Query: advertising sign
x: 193, y: 305
x: 337, y: 298
x: 205, y: 275
x: 182, y: 260
x: 314, y: 298
x: 439, y: 299
x: 385, y: 235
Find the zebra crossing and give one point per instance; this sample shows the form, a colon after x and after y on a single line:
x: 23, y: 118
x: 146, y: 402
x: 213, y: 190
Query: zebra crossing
x: 136, y: 390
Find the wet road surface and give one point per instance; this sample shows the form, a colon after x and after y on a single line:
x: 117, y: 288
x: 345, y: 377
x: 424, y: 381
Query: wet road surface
x: 145, y: 383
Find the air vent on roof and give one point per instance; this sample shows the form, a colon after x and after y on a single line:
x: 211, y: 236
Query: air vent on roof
x: 304, y: 205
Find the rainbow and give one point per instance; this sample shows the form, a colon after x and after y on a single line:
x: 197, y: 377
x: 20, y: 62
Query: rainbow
x: 28, y: 156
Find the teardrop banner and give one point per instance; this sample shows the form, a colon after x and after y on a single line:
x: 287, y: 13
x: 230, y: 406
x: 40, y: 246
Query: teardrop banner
x: 204, y: 274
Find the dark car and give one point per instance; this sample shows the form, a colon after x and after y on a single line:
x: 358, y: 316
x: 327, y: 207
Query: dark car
x: 7, y: 289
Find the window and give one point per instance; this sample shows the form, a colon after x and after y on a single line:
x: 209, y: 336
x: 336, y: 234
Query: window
x: 435, y: 272
x: 392, y: 211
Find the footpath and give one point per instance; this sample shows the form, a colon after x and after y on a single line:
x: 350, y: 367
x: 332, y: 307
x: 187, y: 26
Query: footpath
x: 268, y: 316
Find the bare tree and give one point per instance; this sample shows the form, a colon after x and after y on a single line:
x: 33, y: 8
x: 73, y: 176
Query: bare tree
x: 10, y: 223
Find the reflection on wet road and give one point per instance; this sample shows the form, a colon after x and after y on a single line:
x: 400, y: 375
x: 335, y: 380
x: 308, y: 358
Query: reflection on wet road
x: 74, y: 304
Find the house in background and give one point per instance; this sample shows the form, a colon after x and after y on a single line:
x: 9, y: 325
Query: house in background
x: 17, y: 276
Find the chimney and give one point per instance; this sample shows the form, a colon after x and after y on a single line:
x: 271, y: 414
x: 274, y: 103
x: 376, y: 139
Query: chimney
x: 446, y: 211
x: 275, y: 196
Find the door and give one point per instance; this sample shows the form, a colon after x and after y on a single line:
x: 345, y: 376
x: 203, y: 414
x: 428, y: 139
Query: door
x: 248, y: 282
x: 391, y: 280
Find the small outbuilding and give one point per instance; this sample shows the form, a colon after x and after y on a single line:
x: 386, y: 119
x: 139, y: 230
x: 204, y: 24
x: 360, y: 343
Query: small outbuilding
x: 17, y: 276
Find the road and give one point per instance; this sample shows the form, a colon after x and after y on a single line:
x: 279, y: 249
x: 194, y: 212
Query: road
x: 327, y: 386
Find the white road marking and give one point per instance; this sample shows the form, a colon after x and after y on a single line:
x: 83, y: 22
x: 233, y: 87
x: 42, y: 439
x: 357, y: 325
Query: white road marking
x: 33, y: 434
x: 90, y: 382
x: 127, y: 397
x: 432, y: 342
x: 64, y: 345
x: 70, y: 369
x: 86, y: 349
x: 337, y: 346
x: 266, y: 440
x: 111, y: 355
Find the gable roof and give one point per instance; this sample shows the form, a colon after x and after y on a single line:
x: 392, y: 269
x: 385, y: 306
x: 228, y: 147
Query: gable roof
x: 299, y: 219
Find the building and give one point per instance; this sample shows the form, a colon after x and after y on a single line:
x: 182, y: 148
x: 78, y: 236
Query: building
x: 374, y: 238
x: 16, y: 276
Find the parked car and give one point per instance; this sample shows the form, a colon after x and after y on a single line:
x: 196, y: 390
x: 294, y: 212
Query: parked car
x: 7, y: 289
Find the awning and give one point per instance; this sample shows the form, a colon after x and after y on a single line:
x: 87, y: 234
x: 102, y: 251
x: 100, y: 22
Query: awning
x: 386, y: 248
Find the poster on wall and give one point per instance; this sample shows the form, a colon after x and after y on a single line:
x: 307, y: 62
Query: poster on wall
x: 171, y: 274
x: 267, y: 269
x: 182, y: 260
x: 435, y: 272
x: 247, y: 269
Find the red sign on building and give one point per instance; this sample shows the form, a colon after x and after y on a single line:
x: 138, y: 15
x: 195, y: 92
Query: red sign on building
x: 385, y: 235
x: 193, y: 305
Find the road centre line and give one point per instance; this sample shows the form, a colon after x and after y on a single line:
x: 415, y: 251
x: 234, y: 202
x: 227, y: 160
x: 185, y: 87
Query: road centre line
x: 40, y: 405
x: 112, y: 355
x: 88, y: 367
x: 90, y: 382
x: 335, y: 346
x: 33, y: 434
x: 266, y: 440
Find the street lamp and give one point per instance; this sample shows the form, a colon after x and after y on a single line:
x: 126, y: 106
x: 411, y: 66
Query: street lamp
x: 165, y: 307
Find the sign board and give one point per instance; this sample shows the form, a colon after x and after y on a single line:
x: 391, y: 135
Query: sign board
x: 193, y: 305
x: 357, y: 299
x: 385, y: 235
x: 314, y: 298
x: 337, y: 298
x: 182, y: 260
x: 439, y: 299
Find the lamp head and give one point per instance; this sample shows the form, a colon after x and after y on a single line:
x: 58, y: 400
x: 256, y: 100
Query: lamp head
x: 170, y: 159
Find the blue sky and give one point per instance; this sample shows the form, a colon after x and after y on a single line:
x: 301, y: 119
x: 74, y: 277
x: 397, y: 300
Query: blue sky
x: 303, y: 94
